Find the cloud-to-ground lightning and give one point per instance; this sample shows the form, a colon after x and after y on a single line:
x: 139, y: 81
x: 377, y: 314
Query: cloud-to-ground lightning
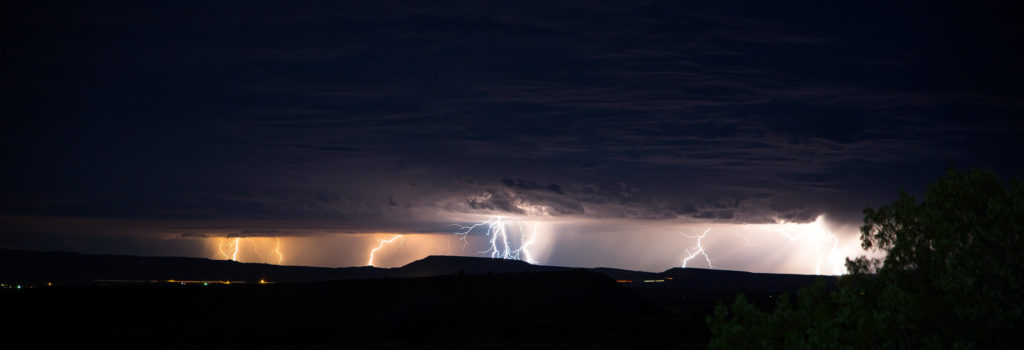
x: 500, y: 229
x: 233, y: 245
x: 277, y: 250
x: 229, y: 248
x: 816, y: 232
x: 819, y: 233
x: 700, y: 249
x: 379, y: 247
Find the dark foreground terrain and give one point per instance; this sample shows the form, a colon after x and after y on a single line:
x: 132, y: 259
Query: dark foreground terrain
x: 438, y: 302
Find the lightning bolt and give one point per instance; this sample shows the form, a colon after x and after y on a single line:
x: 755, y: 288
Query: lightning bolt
x: 233, y: 245
x: 382, y: 243
x: 501, y: 244
x: 700, y: 249
x: 527, y: 241
x: 277, y: 250
x: 819, y: 236
x: 229, y: 248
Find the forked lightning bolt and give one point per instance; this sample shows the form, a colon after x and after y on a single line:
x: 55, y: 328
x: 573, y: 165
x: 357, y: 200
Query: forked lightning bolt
x: 500, y: 230
x: 229, y: 248
x: 382, y: 242
x: 700, y: 249
x: 233, y: 246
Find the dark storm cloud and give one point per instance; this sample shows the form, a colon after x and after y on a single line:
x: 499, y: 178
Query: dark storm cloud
x: 354, y: 117
x: 495, y: 201
x: 509, y: 201
x: 329, y: 148
x: 525, y: 185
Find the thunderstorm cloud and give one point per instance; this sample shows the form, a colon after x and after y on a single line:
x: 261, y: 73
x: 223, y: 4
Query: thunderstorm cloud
x: 393, y: 116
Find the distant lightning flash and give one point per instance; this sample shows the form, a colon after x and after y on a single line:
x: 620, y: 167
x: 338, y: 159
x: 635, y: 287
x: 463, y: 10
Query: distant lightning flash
x: 816, y: 232
x: 501, y: 244
x: 229, y: 248
x: 382, y: 242
x: 700, y: 249
x: 277, y: 250
x: 233, y: 246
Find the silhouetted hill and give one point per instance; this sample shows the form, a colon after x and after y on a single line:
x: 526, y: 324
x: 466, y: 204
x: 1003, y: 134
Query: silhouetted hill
x: 439, y: 301
x: 572, y: 308
x: 436, y: 265
x: 715, y: 280
x: 704, y: 279
x: 75, y: 268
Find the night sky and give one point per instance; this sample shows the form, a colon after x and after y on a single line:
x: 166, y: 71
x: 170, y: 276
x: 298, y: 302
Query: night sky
x: 622, y: 128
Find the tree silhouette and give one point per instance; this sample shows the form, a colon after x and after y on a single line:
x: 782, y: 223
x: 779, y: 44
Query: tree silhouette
x: 952, y: 277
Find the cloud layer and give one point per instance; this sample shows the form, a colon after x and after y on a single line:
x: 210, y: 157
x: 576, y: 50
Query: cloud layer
x: 354, y: 117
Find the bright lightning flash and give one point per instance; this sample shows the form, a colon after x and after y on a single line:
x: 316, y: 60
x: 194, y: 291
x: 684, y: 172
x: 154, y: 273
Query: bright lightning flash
x: 499, y: 229
x: 233, y: 246
x: 382, y: 243
x: 818, y: 234
x: 700, y: 249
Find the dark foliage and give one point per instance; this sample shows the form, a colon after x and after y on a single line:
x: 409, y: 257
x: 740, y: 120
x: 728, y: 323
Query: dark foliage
x: 952, y: 277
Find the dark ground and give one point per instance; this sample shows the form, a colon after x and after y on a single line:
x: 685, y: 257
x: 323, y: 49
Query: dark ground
x: 490, y: 304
